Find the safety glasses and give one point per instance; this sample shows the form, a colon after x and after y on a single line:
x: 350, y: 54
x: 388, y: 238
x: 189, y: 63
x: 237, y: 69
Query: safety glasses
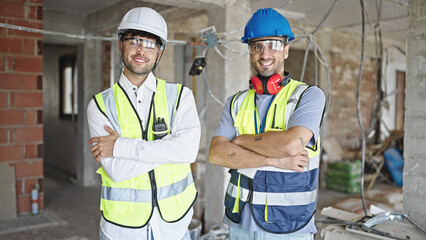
x: 272, y: 45
x: 138, y: 43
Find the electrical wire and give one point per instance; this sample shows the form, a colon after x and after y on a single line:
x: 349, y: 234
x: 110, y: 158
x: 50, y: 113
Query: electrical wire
x: 86, y: 37
x: 287, y: 3
x: 322, y: 60
x: 230, y: 32
x: 358, y: 108
x: 225, y: 57
x: 325, y: 17
x: 240, y: 52
x: 209, y: 90
x: 45, y: 32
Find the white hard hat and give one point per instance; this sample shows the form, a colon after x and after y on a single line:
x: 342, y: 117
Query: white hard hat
x: 145, y: 19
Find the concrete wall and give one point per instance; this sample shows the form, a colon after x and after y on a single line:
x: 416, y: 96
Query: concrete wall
x: 225, y: 79
x: 60, y: 135
x: 415, y: 114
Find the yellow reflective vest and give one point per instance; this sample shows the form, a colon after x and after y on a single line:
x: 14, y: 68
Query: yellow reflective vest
x: 281, y: 201
x: 170, y: 187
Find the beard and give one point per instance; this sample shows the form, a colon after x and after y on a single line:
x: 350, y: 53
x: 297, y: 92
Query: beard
x: 279, y: 67
x: 135, y: 69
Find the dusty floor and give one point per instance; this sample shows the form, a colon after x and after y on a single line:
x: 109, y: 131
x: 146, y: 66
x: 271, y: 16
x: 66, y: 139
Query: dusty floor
x: 72, y: 213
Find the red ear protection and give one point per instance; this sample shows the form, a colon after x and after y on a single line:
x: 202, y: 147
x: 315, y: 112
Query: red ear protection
x: 272, y: 86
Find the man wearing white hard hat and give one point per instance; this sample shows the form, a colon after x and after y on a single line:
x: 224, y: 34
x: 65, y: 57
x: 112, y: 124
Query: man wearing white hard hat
x: 144, y: 132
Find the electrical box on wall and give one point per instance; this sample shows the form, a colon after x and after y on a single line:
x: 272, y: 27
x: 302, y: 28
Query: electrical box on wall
x: 209, y: 35
x: 197, y: 66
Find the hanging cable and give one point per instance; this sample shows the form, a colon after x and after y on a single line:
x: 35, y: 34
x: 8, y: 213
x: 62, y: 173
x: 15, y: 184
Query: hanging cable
x: 305, y: 58
x: 240, y: 52
x: 314, y: 46
x: 225, y: 57
x: 288, y: 2
x: 358, y: 108
x: 325, y: 16
x: 322, y: 60
x: 209, y: 90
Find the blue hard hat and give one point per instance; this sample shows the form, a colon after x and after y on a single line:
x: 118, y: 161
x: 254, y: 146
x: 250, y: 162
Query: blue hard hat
x: 267, y: 22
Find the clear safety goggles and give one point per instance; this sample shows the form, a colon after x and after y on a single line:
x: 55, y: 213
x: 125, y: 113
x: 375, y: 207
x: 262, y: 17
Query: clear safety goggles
x: 138, y: 43
x: 272, y: 45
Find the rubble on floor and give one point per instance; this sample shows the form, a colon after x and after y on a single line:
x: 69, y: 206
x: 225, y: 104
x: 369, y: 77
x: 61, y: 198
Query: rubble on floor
x: 346, y: 220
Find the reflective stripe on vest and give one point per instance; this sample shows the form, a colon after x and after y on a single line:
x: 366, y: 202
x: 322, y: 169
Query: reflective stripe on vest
x: 129, y: 203
x: 135, y: 195
x: 282, y: 201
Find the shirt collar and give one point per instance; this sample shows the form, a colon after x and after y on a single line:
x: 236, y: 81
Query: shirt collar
x: 150, y: 83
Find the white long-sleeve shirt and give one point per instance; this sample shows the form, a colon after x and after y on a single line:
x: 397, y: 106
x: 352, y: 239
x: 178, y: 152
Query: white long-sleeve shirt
x: 133, y: 157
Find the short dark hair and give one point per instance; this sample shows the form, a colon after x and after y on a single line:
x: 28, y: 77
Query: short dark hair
x: 133, y: 33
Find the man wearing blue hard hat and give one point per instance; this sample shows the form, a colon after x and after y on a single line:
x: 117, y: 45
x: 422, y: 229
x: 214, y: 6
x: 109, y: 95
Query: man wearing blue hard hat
x: 269, y: 138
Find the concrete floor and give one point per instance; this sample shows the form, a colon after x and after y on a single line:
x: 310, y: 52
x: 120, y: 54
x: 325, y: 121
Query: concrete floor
x: 72, y: 213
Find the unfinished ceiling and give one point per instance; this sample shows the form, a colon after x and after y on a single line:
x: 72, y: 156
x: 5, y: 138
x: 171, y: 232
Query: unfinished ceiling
x: 388, y: 15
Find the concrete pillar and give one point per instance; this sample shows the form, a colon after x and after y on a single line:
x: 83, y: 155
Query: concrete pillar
x: 89, y: 84
x: 225, y: 78
x: 415, y: 114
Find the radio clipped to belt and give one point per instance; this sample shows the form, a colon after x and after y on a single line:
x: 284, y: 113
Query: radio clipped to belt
x: 159, y: 126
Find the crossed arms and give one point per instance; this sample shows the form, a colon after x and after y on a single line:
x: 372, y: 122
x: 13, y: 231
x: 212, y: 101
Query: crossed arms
x: 125, y: 158
x: 283, y: 150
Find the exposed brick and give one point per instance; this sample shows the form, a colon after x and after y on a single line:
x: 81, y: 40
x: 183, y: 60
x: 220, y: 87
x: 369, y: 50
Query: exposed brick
x: 29, y: 134
x: 30, y: 117
x: 19, y: 189
x: 39, y: 47
x: 40, y: 150
x: 30, y: 24
x: 10, y: 63
x: 33, y: 13
x: 2, y: 62
x: 37, y: 1
x: 29, y: 169
x: 4, y: 100
x: 40, y: 185
x: 11, y: 45
x: 4, y: 135
x: 11, y: 152
x: 11, y: 117
x: 40, y: 201
x: 27, y: 99
x: 28, y: 64
x: 39, y: 117
x: 23, y: 204
x: 31, y: 151
x: 28, y: 46
x: 11, y: 9
x: 29, y: 82
x: 39, y: 82
x: 29, y: 184
x: 39, y: 12
x: 10, y: 81
x: 2, y: 30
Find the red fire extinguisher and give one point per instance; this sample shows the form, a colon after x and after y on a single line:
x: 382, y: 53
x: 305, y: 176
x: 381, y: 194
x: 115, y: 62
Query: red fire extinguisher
x: 34, y: 200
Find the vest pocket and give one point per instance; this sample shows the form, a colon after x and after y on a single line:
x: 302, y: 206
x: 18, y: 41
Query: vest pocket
x: 279, y: 181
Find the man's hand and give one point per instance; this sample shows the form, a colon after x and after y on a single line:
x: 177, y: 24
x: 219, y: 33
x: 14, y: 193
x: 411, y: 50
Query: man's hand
x: 295, y: 163
x: 104, y: 145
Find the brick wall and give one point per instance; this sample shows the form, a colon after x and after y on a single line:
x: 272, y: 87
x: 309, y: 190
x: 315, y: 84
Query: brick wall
x: 21, y: 102
x: 342, y: 116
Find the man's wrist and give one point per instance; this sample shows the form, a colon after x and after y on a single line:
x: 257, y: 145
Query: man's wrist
x: 269, y: 162
x: 115, y: 149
